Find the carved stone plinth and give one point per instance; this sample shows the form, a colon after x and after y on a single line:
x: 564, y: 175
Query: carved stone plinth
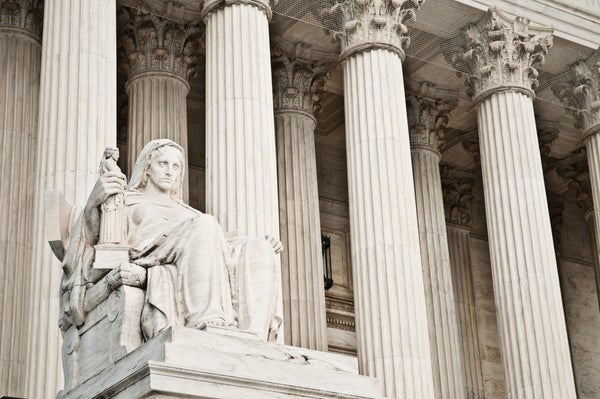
x: 224, y: 364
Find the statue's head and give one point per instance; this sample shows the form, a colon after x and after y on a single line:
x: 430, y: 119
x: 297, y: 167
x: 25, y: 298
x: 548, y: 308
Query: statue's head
x: 152, y: 152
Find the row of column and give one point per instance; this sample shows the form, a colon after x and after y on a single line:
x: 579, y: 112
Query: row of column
x: 406, y: 307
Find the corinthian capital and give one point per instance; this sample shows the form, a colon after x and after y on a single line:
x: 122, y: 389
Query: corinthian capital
x: 359, y: 25
x: 298, y: 82
x: 581, y: 93
x: 154, y: 44
x: 23, y: 14
x: 500, y: 53
x: 427, y: 119
x: 457, y: 190
x: 575, y: 171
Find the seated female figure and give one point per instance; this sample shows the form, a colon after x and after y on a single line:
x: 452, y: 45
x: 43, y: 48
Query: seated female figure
x: 192, y: 275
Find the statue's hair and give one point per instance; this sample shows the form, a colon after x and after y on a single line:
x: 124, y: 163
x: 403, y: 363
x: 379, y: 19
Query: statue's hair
x: 139, y: 177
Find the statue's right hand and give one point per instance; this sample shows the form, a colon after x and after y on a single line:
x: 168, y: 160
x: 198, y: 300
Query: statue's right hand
x: 108, y: 184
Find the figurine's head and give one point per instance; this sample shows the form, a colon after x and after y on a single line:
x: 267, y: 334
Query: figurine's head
x: 111, y: 152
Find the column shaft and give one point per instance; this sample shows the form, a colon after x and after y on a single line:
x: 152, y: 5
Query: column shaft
x: 460, y: 260
x: 393, y: 342
x: 19, y: 92
x: 592, y: 144
x: 447, y: 365
x: 77, y: 121
x: 241, y: 162
x: 157, y: 109
x: 526, y: 286
x: 302, y: 272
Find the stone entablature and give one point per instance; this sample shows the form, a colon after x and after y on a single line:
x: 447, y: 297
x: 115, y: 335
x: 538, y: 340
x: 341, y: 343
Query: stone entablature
x: 427, y: 119
x: 500, y: 53
x: 298, y: 82
x: 26, y: 15
x: 156, y: 44
x: 365, y: 24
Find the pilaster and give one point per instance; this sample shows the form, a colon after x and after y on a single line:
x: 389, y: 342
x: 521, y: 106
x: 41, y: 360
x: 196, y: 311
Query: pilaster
x: 427, y: 119
x: 500, y: 54
x: 457, y: 191
x: 77, y: 120
x: 391, y: 313
x: 297, y: 83
x: 20, y: 46
x: 159, y: 56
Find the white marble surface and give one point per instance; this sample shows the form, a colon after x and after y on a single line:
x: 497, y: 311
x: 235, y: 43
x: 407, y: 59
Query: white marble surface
x: 187, y: 363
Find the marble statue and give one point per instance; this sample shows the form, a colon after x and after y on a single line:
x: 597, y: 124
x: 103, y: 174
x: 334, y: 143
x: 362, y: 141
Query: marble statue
x: 191, y: 273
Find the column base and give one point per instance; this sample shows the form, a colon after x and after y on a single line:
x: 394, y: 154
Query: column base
x: 187, y: 363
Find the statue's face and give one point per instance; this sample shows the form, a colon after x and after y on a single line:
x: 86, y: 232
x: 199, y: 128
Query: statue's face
x: 164, y: 171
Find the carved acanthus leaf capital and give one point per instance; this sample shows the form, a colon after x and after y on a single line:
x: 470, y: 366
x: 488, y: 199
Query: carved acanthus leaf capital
x: 151, y: 43
x: 470, y: 144
x: 298, y: 82
x: 501, y: 53
x: 547, y: 132
x: 365, y: 24
x: 576, y: 172
x: 457, y: 191
x: 427, y: 119
x: 22, y: 14
x: 581, y: 92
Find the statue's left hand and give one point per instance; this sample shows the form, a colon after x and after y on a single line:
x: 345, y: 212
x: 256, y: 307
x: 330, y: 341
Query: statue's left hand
x: 275, y: 243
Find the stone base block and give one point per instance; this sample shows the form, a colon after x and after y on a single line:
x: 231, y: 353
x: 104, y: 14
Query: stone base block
x: 109, y: 256
x: 221, y: 364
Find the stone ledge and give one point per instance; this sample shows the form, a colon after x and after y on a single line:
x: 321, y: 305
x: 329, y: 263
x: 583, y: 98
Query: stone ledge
x: 183, y: 362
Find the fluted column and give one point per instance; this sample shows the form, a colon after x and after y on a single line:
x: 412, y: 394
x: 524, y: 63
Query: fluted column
x: 296, y: 83
x: 391, y: 316
x: 427, y: 118
x: 77, y: 120
x: 159, y: 56
x: 500, y: 56
x: 20, y: 46
x: 457, y: 206
x: 241, y: 162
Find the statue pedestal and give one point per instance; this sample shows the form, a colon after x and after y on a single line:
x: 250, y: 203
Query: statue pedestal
x: 225, y: 364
